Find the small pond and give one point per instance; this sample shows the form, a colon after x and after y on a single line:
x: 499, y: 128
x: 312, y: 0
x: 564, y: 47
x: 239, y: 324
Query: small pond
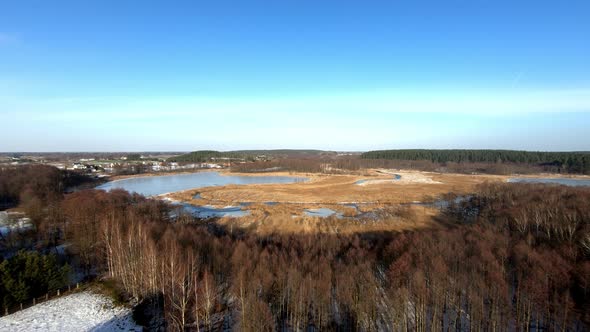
x: 207, y: 211
x: 322, y: 213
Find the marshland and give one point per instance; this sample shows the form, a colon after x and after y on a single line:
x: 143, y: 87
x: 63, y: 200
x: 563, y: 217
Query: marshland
x: 295, y: 166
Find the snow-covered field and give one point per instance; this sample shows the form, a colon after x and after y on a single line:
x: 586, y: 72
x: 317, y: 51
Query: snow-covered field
x: 85, y: 311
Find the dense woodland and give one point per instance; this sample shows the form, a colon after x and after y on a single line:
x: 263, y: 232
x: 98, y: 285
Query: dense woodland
x: 27, y: 268
x: 570, y: 162
x: 452, y: 161
x: 30, y: 274
x: 513, y: 256
x: 35, y: 184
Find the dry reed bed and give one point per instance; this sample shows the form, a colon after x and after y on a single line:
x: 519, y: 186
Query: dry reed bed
x: 393, y: 219
x: 333, y: 191
x: 338, y: 189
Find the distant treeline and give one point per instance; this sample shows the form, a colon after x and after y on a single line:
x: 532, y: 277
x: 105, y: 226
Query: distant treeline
x: 454, y: 161
x: 353, y: 164
x: 61, y: 156
x: 571, y: 162
x: 287, y: 153
x: 206, y: 155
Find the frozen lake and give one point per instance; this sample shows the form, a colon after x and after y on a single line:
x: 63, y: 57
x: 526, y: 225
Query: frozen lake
x: 156, y: 185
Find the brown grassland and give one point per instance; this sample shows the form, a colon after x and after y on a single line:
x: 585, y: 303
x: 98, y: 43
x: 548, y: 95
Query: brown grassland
x: 340, y: 189
x: 266, y: 220
x: 379, y: 193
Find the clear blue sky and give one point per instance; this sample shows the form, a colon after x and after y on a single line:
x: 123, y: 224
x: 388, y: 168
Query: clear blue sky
x: 141, y: 75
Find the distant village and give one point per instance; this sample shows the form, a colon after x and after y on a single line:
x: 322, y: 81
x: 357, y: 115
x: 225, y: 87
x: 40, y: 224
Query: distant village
x: 113, y: 165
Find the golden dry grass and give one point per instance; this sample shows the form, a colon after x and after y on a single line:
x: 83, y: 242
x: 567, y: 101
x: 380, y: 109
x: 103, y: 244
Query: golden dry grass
x: 332, y: 191
x: 393, y: 219
x: 336, y: 189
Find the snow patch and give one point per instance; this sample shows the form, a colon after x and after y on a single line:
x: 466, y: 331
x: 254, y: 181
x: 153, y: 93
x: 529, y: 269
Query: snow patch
x: 85, y: 311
